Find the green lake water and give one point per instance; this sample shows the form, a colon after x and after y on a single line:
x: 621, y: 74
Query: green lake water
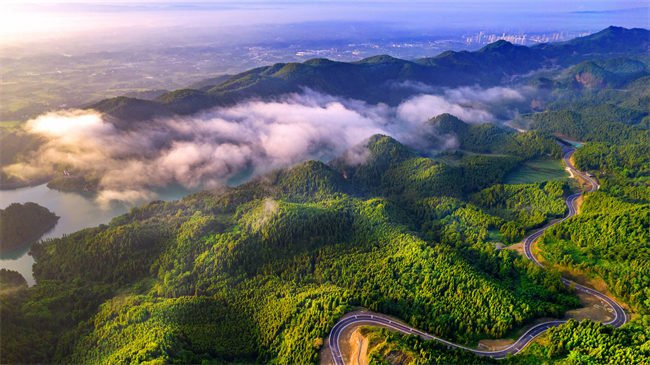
x: 77, y: 211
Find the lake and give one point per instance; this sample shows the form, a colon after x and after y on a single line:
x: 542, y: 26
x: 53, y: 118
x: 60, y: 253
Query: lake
x: 77, y: 211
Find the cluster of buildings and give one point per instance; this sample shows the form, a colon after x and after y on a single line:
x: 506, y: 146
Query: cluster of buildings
x: 521, y: 39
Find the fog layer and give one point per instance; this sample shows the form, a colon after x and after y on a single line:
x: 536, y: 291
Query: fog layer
x: 209, y: 148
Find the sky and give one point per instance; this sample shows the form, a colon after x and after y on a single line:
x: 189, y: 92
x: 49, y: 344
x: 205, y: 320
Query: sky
x: 46, y: 20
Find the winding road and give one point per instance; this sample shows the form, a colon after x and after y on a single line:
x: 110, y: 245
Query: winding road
x: 366, y: 319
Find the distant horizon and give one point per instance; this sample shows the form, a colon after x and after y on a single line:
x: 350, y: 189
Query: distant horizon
x: 41, y: 23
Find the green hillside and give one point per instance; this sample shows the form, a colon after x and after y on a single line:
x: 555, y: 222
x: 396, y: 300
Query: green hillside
x: 20, y: 224
x: 614, y: 73
x: 207, y: 84
x: 613, y: 41
x: 488, y: 138
x: 610, y: 239
x: 574, y: 126
x: 261, y: 272
x: 586, y: 342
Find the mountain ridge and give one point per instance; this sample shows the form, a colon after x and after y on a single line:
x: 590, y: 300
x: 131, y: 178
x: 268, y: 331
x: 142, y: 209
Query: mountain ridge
x: 380, y: 78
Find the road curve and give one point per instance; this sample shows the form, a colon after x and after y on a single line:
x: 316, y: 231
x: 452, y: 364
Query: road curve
x: 367, y: 319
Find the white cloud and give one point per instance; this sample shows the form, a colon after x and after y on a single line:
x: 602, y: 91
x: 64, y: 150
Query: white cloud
x: 423, y: 107
x: 206, y: 149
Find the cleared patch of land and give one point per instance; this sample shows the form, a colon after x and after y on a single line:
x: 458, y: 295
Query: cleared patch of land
x: 537, y: 171
x: 592, y: 308
x: 359, y: 353
x: 518, y: 247
x: 492, y: 345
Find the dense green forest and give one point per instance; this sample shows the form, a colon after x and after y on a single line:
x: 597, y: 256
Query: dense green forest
x: 586, y: 342
x: 523, y: 207
x: 21, y: 224
x: 10, y: 279
x: 610, y: 238
x: 281, y: 258
x: 260, y: 273
x: 488, y: 138
x: 589, y: 342
x: 627, y: 160
x: 577, y: 127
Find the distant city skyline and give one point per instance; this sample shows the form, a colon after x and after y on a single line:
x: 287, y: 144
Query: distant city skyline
x: 414, y: 28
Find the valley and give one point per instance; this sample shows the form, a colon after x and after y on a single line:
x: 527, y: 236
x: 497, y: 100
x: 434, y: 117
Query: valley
x: 267, y: 216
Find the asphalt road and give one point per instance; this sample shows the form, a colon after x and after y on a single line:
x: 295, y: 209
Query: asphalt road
x: 619, y: 318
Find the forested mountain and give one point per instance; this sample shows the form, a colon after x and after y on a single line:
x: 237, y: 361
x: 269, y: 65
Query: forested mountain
x: 577, y: 127
x: 280, y: 259
x: 378, y: 79
x: 614, y: 41
x: 488, y: 138
x: 261, y: 272
x: 207, y: 84
x: 11, y: 280
x: 22, y: 223
x: 596, y: 100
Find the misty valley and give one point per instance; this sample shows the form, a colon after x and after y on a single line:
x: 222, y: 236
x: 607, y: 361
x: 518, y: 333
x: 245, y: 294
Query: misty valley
x: 485, y: 203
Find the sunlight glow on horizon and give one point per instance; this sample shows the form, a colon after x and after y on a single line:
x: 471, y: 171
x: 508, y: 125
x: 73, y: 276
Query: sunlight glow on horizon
x: 44, y: 20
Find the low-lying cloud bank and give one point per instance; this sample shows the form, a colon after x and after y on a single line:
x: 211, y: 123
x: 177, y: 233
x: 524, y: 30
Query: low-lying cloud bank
x: 209, y: 148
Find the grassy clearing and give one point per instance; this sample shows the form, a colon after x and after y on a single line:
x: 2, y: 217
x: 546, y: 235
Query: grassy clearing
x: 537, y: 171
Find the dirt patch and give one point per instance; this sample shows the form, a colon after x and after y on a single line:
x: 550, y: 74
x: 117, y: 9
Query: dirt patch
x: 581, y: 278
x: 592, y: 308
x: 518, y: 247
x: 578, y: 203
x: 492, y: 345
x: 360, y: 349
x: 588, y: 80
x: 586, y: 185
